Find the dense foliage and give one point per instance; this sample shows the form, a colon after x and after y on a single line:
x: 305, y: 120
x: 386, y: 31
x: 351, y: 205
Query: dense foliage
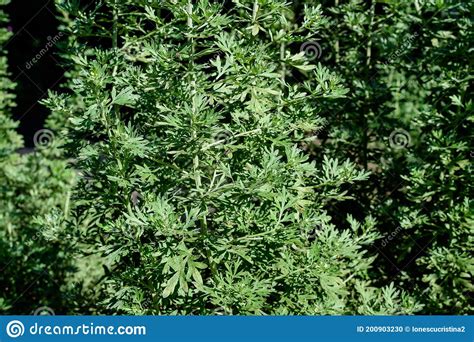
x: 410, y: 121
x: 247, y: 157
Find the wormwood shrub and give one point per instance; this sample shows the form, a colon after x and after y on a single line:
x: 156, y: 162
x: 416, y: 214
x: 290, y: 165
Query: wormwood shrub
x: 34, y: 264
x: 439, y: 185
x: 409, y: 121
x: 190, y: 129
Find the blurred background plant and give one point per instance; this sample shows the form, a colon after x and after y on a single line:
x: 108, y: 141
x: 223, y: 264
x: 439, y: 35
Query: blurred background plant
x: 37, y: 266
x: 409, y: 120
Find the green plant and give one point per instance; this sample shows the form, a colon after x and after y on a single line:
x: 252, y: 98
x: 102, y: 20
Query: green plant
x: 408, y: 121
x: 34, y: 261
x: 439, y: 187
x: 245, y: 157
x: 198, y: 191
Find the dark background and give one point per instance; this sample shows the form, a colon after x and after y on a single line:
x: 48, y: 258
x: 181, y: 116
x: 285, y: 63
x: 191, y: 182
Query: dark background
x: 32, y: 22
